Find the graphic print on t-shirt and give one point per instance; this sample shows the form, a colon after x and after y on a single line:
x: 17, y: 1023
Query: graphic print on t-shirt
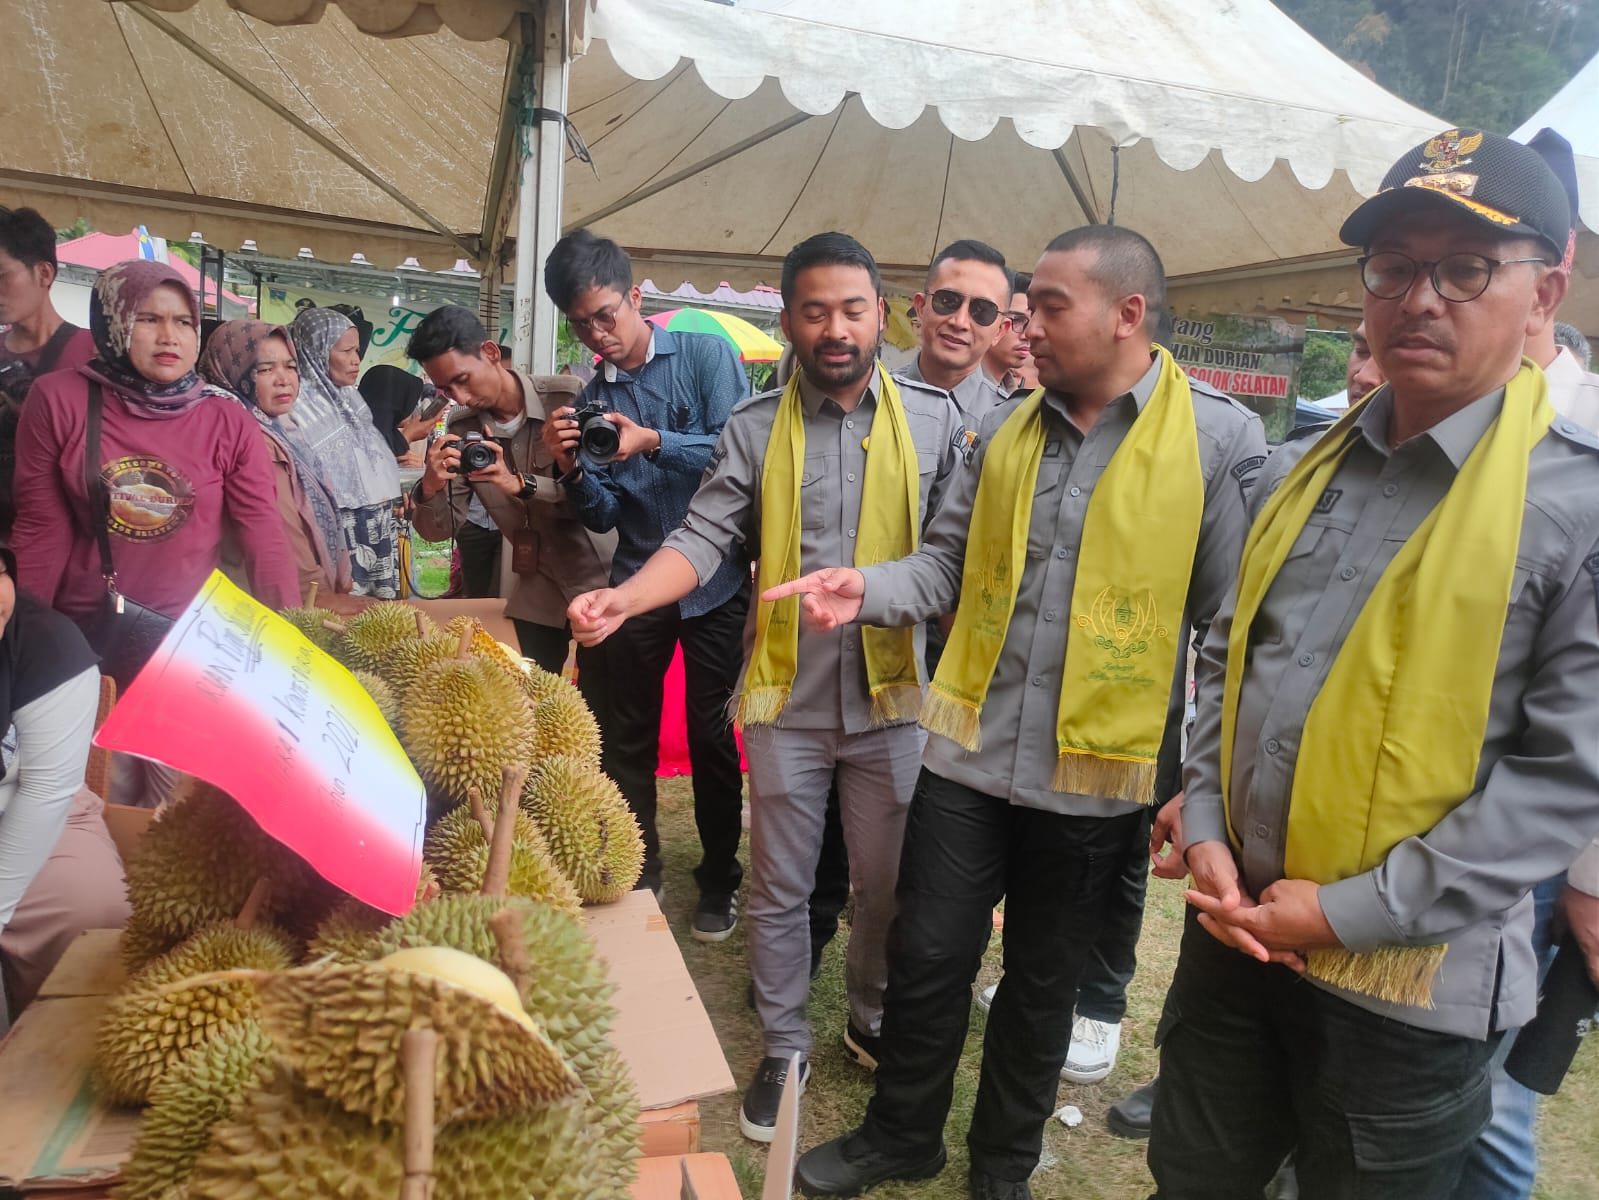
x: 149, y: 499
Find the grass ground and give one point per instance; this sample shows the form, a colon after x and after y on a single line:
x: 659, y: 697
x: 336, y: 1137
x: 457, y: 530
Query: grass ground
x: 1085, y: 1163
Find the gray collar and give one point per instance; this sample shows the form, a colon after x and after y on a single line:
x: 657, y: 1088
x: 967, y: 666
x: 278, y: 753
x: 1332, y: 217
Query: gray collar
x: 1456, y: 435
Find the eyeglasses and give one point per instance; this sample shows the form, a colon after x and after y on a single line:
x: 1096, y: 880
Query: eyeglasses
x: 266, y: 369
x: 1457, y: 278
x: 604, y: 320
x: 1018, y: 320
x: 947, y: 302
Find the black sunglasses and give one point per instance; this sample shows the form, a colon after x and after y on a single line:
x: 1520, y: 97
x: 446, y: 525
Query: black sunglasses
x: 947, y: 301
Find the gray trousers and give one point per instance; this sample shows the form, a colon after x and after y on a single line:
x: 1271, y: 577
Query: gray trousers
x: 790, y: 773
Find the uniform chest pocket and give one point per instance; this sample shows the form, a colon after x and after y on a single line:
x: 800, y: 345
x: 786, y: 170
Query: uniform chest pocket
x: 819, y: 491
x: 1042, y: 534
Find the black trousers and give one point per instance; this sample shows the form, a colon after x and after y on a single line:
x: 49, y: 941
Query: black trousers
x: 480, y: 561
x: 1102, y: 990
x: 548, y: 647
x: 964, y: 851
x: 640, y: 654
x: 1255, y: 1062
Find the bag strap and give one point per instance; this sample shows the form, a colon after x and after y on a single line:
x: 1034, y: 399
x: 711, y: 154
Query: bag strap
x: 99, y: 497
x: 51, y: 354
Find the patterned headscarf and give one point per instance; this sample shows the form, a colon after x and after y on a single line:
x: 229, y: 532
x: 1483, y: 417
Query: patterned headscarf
x: 332, y: 424
x: 229, y: 361
x: 118, y: 293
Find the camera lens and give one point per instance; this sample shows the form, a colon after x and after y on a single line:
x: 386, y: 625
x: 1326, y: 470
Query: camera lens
x: 476, y: 456
x: 599, y: 439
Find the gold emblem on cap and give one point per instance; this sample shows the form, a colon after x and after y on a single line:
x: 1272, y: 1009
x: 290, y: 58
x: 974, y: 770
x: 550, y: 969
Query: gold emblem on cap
x: 1444, y: 152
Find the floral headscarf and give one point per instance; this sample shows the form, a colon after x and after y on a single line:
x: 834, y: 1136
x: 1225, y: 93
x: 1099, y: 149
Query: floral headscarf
x: 229, y: 361
x: 118, y: 293
x: 332, y: 424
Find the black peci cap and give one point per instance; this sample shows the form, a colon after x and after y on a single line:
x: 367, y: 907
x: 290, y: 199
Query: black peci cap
x: 1505, y: 186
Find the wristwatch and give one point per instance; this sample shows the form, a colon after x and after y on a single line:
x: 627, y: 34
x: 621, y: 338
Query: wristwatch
x: 530, y: 487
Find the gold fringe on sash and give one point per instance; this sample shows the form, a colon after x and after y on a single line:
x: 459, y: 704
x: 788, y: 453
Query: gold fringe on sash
x: 894, y: 702
x: 958, y: 720
x: 1088, y: 774
x: 762, y: 705
x: 1398, y: 974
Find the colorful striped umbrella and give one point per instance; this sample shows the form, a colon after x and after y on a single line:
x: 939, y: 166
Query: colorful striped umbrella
x: 750, y: 343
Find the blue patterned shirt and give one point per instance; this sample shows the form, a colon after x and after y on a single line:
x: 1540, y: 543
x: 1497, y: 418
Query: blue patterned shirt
x: 685, y: 390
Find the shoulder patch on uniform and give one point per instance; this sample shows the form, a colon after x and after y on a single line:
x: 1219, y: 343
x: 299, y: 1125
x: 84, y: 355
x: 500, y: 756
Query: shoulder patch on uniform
x: 1591, y: 565
x: 964, y: 444
x: 1245, y: 471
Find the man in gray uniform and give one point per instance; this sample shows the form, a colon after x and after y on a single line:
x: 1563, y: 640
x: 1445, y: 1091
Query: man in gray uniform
x: 1472, y: 756
x: 797, y: 475
x: 996, y: 820
x: 959, y: 317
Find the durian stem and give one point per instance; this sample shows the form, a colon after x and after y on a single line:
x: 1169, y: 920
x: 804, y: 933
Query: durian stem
x: 419, y: 1053
x: 421, y: 623
x: 310, y: 595
x: 335, y: 626
x: 497, y: 878
x: 474, y: 800
x: 254, y: 903
x: 511, y: 937
x: 463, y: 648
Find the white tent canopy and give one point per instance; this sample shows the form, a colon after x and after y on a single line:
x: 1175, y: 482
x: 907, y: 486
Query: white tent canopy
x: 722, y: 136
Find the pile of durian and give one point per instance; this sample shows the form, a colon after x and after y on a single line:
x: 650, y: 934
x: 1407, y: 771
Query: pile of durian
x: 266, y: 1016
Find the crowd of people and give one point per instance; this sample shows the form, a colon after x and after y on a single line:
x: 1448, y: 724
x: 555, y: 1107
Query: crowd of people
x: 953, y: 608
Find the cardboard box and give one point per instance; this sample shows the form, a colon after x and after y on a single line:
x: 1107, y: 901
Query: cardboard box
x: 686, y: 1177
x: 489, y: 613
x: 56, y: 1134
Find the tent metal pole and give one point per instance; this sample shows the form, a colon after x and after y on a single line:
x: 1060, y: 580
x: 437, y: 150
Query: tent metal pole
x: 1076, y: 186
x: 538, y: 225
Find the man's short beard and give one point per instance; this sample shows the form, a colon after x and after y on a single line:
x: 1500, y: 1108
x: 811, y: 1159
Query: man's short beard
x: 860, y: 370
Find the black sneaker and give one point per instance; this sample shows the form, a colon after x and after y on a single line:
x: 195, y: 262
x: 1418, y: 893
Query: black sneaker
x: 865, y: 1048
x: 848, y: 1166
x: 983, y: 1186
x: 1131, y: 1116
x: 757, y: 1116
x: 715, y: 917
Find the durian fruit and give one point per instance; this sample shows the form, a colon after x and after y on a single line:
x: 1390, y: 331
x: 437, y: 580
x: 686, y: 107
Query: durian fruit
x: 140, y: 944
x: 484, y: 645
x: 611, y: 1115
x: 539, y: 685
x: 200, y: 859
x: 203, y: 1087
x: 313, y: 623
x: 458, y: 849
x: 346, y: 933
x: 382, y: 694
x: 563, y: 725
x: 284, y: 1142
x: 591, y: 833
x: 409, y: 659
x: 464, y: 722
x: 339, y: 1028
x: 551, y: 1154
x: 568, y: 992
x: 372, y: 635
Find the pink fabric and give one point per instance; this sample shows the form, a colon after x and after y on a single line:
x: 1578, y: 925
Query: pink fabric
x: 174, y: 482
x: 674, y: 725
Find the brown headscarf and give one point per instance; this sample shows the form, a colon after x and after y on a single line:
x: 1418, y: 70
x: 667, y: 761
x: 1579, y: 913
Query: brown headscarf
x: 119, y: 291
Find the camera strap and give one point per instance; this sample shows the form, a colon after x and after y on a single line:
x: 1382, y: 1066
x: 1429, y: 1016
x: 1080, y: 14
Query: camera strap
x: 99, y: 496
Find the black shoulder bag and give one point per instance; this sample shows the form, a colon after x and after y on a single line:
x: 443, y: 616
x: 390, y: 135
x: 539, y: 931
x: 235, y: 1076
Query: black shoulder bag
x: 125, y: 633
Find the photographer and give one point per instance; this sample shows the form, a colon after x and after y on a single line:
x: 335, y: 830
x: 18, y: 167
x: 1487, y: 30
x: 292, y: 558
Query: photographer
x: 665, y: 397
x: 496, y: 429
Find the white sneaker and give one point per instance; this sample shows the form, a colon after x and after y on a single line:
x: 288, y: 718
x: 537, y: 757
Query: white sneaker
x: 985, y: 998
x: 1093, y: 1050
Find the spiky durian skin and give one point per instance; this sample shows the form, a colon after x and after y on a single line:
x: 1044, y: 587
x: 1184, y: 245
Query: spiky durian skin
x: 564, y: 726
x: 198, y: 861
x: 373, y: 633
x: 591, y: 833
x: 568, y: 992
x: 177, y: 1003
x: 140, y: 944
x: 459, y: 853
x: 346, y: 933
x: 464, y: 722
x: 202, y: 1088
x: 539, y: 685
x: 284, y: 1142
x: 486, y: 646
x: 382, y: 694
x: 312, y: 622
x: 409, y: 659
x: 339, y: 1028
x: 611, y: 1115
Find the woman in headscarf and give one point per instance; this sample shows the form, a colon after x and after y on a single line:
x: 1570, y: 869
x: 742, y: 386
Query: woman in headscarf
x: 393, y: 394
x: 59, y: 870
x: 180, y: 460
x: 332, y: 427
x: 256, y: 362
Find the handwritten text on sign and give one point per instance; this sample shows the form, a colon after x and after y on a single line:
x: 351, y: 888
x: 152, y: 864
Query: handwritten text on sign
x: 238, y: 697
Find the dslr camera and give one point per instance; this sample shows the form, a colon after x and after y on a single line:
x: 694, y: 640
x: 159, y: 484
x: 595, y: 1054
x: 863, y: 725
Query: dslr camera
x: 596, y: 437
x: 477, y: 453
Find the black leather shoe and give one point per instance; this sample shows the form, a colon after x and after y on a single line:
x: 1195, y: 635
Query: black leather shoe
x: 865, y: 1048
x: 848, y: 1166
x: 1130, y: 1116
x: 984, y: 1186
x: 757, y: 1116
